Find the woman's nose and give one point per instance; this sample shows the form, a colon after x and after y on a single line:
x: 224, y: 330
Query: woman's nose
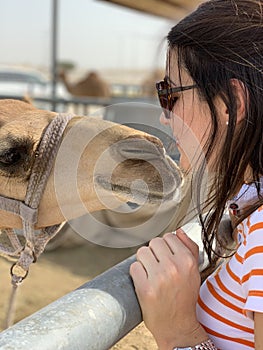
x: 164, y: 120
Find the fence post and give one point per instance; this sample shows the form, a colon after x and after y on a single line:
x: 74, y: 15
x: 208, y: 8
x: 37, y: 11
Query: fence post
x: 94, y: 316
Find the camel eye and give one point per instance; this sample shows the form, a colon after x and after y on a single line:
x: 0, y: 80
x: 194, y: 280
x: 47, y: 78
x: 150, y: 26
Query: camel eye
x: 16, y: 156
x: 11, y: 156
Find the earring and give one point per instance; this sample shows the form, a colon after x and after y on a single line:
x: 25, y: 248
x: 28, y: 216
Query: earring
x: 227, y: 123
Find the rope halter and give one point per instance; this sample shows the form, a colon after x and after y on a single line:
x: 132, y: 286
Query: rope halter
x: 29, y: 247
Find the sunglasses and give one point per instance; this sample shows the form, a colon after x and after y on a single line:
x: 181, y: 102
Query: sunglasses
x: 166, y: 98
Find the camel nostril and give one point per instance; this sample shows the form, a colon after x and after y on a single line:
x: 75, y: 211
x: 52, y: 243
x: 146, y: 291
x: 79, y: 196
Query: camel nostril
x: 137, y: 148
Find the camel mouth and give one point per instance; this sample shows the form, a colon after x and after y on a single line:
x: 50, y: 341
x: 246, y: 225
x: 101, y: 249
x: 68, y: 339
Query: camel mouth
x: 164, y: 183
x: 136, y: 195
x: 143, y: 172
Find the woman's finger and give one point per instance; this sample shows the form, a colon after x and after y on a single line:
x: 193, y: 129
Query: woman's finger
x: 138, y: 274
x: 147, y: 258
x: 188, y: 242
x: 160, y: 248
x: 181, y: 241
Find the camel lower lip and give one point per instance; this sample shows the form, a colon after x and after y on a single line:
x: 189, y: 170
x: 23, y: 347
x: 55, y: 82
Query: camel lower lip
x: 138, y: 196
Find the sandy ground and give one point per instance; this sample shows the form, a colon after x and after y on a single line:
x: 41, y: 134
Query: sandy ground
x: 57, y: 273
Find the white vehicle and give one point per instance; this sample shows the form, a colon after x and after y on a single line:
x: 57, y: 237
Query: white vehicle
x: 15, y: 82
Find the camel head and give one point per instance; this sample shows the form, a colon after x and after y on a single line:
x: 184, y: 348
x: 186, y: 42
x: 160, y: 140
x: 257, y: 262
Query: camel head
x: 98, y: 164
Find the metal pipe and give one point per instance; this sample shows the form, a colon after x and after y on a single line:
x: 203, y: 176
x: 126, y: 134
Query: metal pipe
x: 94, y: 316
x: 54, y: 44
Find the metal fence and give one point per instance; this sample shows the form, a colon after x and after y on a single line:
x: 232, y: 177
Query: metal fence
x: 140, y: 113
x: 81, y: 105
x: 93, y: 317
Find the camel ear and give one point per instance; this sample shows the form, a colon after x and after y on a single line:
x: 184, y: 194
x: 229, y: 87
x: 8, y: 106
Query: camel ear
x: 27, y: 99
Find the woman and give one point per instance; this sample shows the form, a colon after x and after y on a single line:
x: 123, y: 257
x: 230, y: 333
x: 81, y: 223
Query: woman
x: 214, y: 85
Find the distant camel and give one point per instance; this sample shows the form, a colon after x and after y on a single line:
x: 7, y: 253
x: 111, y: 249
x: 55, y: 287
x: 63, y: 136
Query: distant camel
x: 92, y: 85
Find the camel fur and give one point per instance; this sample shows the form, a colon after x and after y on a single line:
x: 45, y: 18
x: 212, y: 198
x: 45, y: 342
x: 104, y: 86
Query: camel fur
x: 128, y: 154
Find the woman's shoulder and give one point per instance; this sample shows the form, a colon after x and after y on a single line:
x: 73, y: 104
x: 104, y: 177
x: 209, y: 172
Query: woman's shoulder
x: 252, y: 228
x: 255, y: 218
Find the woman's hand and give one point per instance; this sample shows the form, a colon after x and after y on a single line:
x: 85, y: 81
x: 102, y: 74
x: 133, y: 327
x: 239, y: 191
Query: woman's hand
x: 167, y: 281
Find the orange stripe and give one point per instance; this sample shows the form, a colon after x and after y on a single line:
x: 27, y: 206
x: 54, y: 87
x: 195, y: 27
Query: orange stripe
x: 256, y: 250
x: 257, y: 226
x: 235, y: 340
x: 243, y: 234
x: 221, y: 299
x: 248, y: 221
x: 231, y: 274
x: 255, y: 293
x: 239, y: 258
x: 223, y: 319
x: 255, y: 272
x: 227, y: 291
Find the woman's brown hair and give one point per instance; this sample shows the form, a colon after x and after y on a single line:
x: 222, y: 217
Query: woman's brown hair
x: 220, y: 41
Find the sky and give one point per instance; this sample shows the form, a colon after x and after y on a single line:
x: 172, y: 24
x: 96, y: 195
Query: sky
x: 92, y: 34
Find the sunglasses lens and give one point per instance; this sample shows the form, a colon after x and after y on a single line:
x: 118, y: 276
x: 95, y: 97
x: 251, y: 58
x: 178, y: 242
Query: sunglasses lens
x: 164, y: 103
x: 164, y: 98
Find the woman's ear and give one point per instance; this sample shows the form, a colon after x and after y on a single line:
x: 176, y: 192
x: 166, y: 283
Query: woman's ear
x: 241, y: 95
x: 222, y: 109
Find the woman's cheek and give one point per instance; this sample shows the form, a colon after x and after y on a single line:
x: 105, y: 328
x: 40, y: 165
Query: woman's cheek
x: 184, y: 162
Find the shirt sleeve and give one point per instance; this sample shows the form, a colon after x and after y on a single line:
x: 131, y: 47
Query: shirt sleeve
x: 252, y: 277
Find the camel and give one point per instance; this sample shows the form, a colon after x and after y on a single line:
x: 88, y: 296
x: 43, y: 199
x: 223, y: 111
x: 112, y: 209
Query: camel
x: 130, y: 156
x: 91, y: 85
x: 93, y: 164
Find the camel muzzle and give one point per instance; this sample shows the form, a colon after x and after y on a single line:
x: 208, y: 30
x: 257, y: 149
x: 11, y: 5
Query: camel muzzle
x: 148, y: 154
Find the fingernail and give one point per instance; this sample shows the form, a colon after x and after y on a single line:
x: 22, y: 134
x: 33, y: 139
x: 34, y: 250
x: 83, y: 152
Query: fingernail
x: 180, y: 231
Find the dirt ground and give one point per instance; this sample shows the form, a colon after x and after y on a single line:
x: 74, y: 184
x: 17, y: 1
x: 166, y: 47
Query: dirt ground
x: 59, y: 272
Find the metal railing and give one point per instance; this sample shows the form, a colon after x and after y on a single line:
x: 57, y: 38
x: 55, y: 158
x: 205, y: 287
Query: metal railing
x: 80, y: 105
x: 93, y: 317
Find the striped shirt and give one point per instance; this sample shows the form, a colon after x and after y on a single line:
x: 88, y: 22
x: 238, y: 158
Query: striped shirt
x: 234, y: 291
